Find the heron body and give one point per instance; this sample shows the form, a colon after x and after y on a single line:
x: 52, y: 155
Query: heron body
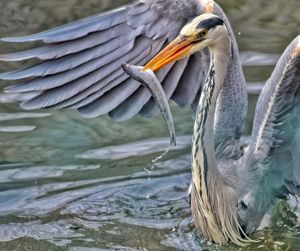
x: 232, y: 188
x: 211, y: 207
x: 206, y: 203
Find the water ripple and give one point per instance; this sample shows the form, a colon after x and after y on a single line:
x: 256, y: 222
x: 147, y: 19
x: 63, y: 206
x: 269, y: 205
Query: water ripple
x: 133, y: 149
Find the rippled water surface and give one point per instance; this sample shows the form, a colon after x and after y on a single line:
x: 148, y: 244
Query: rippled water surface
x: 67, y: 183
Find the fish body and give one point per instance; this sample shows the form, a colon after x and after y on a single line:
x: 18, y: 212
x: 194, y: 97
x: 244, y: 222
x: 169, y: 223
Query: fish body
x: 150, y: 81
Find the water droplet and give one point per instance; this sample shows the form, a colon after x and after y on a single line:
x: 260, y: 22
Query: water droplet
x: 239, y: 33
x: 162, y: 155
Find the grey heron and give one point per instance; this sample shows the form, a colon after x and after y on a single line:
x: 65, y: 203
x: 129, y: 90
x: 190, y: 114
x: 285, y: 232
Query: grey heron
x: 80, y: 69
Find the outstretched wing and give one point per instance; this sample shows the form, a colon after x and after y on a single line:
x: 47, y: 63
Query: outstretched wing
x: 80, y: 64
x: 273, y: 158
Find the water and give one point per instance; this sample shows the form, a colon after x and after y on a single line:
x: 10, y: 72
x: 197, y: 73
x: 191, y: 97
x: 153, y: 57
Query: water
x: 67, y: 183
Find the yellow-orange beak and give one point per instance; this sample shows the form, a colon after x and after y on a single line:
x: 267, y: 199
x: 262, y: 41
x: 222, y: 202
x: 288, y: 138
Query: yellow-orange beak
x: 176, y: 50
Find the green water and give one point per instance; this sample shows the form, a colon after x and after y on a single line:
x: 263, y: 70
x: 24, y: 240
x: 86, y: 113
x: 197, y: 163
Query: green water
x: 67, y: 183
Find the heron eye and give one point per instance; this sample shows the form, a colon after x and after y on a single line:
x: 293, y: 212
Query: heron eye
x: 203, y: 33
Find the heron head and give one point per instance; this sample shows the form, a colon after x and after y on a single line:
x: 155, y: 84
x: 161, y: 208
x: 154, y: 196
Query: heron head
x: 203, y: 31
x: 251, y: 210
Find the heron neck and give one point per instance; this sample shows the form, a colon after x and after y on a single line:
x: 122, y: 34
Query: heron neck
x: 204, y: 164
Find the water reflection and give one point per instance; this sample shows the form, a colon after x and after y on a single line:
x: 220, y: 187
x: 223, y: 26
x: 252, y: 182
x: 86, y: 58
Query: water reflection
x: 67, y: 183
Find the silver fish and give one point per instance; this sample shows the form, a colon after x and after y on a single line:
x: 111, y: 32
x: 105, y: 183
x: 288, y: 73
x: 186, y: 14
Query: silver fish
x: 150, y: 81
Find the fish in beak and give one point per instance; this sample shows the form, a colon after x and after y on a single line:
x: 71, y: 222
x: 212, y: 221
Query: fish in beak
x: 149, y: 80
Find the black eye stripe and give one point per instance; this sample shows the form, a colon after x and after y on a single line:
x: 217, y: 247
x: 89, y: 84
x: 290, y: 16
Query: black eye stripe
x: 210, y: 23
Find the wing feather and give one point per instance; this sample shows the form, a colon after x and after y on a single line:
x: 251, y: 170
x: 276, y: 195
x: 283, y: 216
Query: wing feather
x: 110, y: 100
x: 273, y: 154
x: 136, y: 101
x: 74, y: 101
x: 65, y: 48
x: 169, y: 85
x: 51, y: 67
x: 277, y: 99
x: 76, y: 29
x: 67, y: 90
x: 188, y: 85
x: 95, y: 65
